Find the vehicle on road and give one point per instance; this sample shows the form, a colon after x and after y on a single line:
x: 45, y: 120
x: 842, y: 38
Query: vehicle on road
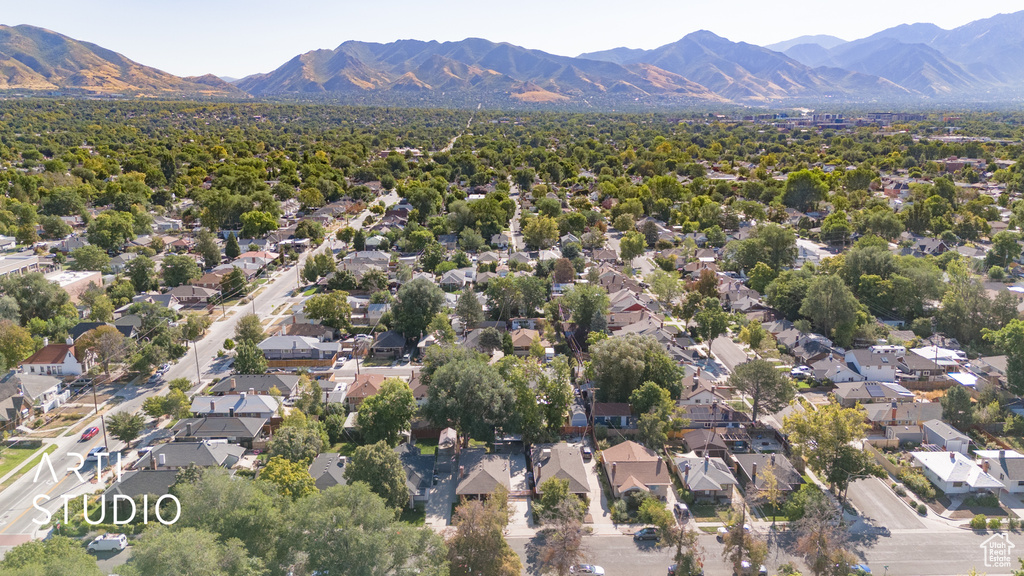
x: 163, y: 368
x: 89, y: 433
x: 672, y: 571
x: 747, y: 569
x: 587, y: 453
x: 586, y: 569
x: 95, y: 451
x: 649, y: 533
x: 107, y: 542
x: 860, y: 569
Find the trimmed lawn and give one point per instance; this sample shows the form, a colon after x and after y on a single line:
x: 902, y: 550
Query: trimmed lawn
x: 416, y: 516
x: 427, y: 447
x: 14, y: 456
x: 344, y: 448
x: 707, y: 512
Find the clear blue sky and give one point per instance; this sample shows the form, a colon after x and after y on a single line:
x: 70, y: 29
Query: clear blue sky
x: 241, y: 37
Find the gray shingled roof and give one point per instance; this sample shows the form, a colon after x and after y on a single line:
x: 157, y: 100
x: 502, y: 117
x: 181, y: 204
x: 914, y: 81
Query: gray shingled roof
x: 483, y: 473
x: 563, y: 462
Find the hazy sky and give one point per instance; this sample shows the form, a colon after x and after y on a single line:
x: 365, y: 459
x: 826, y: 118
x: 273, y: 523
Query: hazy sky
x: 241, y: 37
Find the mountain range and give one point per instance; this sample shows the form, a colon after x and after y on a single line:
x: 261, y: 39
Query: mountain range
x: 980, y: 61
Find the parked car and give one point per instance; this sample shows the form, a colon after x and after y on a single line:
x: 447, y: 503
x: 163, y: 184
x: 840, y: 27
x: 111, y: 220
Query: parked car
x: 672, y: 572
x: 747, y: 569
x: 721, y: 533
x: 586, y: 569
x: 860, y: 569
x: 89, y: 433
x: 107, y: 542
x: 801, y: 372
x: 587, y: 453
x: 649, y: 533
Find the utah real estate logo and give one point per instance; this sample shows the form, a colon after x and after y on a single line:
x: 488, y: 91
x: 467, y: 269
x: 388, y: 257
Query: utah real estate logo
x: 997, y: 550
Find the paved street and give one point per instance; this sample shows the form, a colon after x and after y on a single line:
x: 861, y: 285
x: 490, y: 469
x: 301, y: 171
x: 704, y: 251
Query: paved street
x: 880, y: 507
x: 728, y: 352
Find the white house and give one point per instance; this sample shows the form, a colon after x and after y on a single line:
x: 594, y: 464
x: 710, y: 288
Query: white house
x: 56, y: 360
x: 877, y: 363
x: 954, y: 473
x: 1005, y: 465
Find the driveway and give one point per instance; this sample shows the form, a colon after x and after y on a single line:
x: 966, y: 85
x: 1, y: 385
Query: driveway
x: 880, y: 507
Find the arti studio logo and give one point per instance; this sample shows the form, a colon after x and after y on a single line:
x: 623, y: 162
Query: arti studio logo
x: 998, y: 550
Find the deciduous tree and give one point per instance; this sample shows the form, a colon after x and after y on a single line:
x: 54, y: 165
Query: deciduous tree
x: 768, y: 388
x: 380, y: 468
x: 386, y: 414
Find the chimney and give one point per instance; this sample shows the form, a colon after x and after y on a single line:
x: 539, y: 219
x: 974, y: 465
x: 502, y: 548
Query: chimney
x: 984, y: 466
x: 188, y: 429
x: 773, y: 459
x: 252, y: 391
x: 753, y: 474
x: 952, y: 457
x: 69, y: 341
x: 1002, y: 454
x: 231, y: 412
x: 613, y: 469
x: 894, y: 413
x: 232, y: 387
x: 162, y: 458
x: 707, y: 461
x: 686, y: 474
x: 46, y: 341
x: 462, y: 471
x: 213, y: 405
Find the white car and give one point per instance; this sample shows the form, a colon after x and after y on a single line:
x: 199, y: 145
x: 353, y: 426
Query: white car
x: 587, y: 569
x: 801, y: 372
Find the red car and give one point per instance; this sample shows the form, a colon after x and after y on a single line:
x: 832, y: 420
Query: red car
x: 89, y: 433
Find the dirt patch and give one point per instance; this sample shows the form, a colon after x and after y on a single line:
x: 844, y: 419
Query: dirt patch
x: 972, y: 511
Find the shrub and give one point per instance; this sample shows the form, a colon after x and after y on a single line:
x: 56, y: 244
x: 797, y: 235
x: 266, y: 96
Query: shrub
x: 600, y: 432
x: 994, y: 523
x: 1013, y: 524
x: 986, y: 500
x: 922, y: 509
x: 978, y: 522
x: 899, y: 490
x: 619, y: 513
x: 917, y: 483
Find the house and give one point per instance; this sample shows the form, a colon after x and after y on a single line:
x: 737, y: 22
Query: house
x: 613, y: 415
x: 878, y: 363
x: 991, y: 369
x: 165, y: 300
x: 1007, y: 466
x: 364, y: 386
x: 388, y: 344
x: 419, y: 472
x: 328, y: 470
x: 707, y: 478
x: 374, y: 312
x: 786, y: 476
x: 457, y: 279
x: 449, y: 241
x: 907, y: 434
x: 697, y: 391
x: 175, y: 455
x: 118, y: 263
x: 706, y: 442
x: 57, y: 360
x: 296, y: 351
x: 631, y: 466
x: 481, y: 473
x: 501, y: 239
x: 235, y: 406
x: 210, y: 280
x: 43, y: 392
x: 563, y: 462
x: 523, y: 338
x: 164, y: 224
x: 192, y: 295
x: 714, y: 415
x: 903, y: 414
x: 307, y: 330
x: 143, y: 482
x: 286, y: 384
x: 14, y: 407
x: 954, y: 473
x: 834, y: 369
x: 241, y: 431
x: 848, y: 394
x: 944, y: 436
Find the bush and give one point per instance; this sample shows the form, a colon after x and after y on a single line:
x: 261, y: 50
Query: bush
x: 986, y: 500
x: 978, y: 522
x: 619, y: 513
x: 994, y: 523
x: 922, y: 509
x: 917, y: 483
x: 899, y: 490
x: 600, y: 432
x: 1013, y: 524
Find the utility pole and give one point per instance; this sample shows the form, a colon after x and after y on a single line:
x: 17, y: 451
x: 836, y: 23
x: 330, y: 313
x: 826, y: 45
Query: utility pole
x: 195, y: 350
x: 96, y: 408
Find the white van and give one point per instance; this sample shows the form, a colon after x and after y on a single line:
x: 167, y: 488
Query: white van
x: 107, y: 542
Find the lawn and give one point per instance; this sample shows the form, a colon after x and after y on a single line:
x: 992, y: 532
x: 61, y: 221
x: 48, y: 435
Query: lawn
x: 427, y: 447
x: 14, y: 456
x: 707, y: 512
x: 344, y: 448
x: 416, y: 516
x: 311, y: 290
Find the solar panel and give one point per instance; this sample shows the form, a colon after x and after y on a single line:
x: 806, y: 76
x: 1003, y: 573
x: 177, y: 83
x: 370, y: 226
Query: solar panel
x: 875, y: 391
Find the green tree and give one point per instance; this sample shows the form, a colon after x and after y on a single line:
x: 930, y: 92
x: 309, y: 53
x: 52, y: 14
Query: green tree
x: 140, y: 272
x: 415, y: 305
x: 468, y: 308
x: 478, y: 546
x: 111, y: 229
x: 331, y: 308
x: 51, y: 557
x: 621, y: 364
x: 231, y: 247
x: 108, y: 343
x: 37, y: 297
x: 166, y: 552
x: 631, y: 245
x: 587, y: 306
x: 257, y: 223
x: 551, y: 495
x: 1010, y: 340
x: 768, y: 388
x: 826, y: 436
x: 380, y: 468
x: 470, y: 240
x: 234, y: 284
x: 467, y: 394
x: 206, y: 246
x: 89, y: 258
x: 540, y: 232
x: 665, y: 285
x: 803, y: 190
x: 178, y: 270
x: 249, y: 359
x: 957, y: 407
x: 126, y: 426
x: 711, y: 320
x: 650, y: 398
x: 249, y: 330
x: 830, y: 304
x: 292, y: 479
x: 1005, y: 248
x: 389, y: 412
x: 787, y: 292
x: 297, y: 443
x: 16, y: 344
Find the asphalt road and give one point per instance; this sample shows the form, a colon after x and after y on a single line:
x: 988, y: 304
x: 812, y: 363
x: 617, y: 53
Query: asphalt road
x: 912, y: 553
x: 728, y: 352
x: 880, y: 507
